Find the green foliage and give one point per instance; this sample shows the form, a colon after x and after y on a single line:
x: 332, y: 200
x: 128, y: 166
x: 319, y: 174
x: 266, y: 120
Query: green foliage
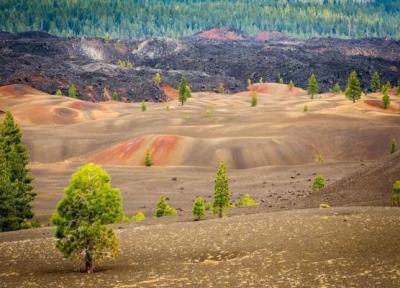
x: 199, y: 208
x: 58, y: 93
x: 254, y: 99
x: 305, y: 109
x: 324, y: 206
x: 398, y: 88
x: 291, y: 85
x: 125, y: 64
x: 249, y: 83
x: 16, y: 190
x: 148, y: 161
x: 221, y: 88
x: 386, y: 99
x: 393, y: 147
x: 396, y: 194
x: 157, y: 79
x: 139, y: 217
x: 184, y: 91
x: 115, y: 96
x: 246, y: 201
x: 312, y: 87
x: 72, y: 91
x: 129, y: 19
x: 164, y: 209
x: 386, y: 88
x: 375, y: 82
x: 319, y: 158
x: 221, y: 191
x: 336, y: 88
x: 353, y: 89
x: 319, y: 183
x: 280, y: 80
x: 143, y: 106
x: 89, y: 204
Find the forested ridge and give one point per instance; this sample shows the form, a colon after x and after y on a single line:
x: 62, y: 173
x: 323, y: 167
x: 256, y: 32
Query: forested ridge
x: 175, y: 18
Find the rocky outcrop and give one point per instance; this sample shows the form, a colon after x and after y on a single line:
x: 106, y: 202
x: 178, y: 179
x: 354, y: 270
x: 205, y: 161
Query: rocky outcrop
x: 206, y: 59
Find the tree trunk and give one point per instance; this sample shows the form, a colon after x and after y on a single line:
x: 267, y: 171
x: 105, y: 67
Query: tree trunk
x: 89, y: 267
x: 220, y: 213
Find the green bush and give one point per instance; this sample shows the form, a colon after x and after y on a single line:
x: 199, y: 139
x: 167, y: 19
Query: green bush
x: 199, y: 208
x: 164, y: 209
x: 254, y: 99
x: 246, y: 201
x: 319, y: 183
x: 139, y: 217
x: 396, y: 194
x: 125, y: 64
x: 148, y: 161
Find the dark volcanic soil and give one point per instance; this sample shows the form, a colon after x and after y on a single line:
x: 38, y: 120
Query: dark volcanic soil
x: 338, y: 247
x: 49, y: 63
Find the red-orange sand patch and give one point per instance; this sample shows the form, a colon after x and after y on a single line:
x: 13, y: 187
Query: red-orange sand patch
x: 221, y: 35
x: 378, y: 105
x: 120, y: 154
x: 171, y: 93
x: 162, y: 148
x: 85, y: 106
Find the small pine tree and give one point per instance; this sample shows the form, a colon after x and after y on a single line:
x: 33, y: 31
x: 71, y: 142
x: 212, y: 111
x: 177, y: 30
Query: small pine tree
x: 89, y: 204
x: 398, y: 88
x: 139, y: 217
x: 393, y: 147
x: 261, y: 80
x: 291, y: 86
x: 116, y: 96
x: 221, y: 191
x: 386, y: 88
x: 58, y: 92
x: 375, y: 82
x: 254, y: 99
x: 184, y: 91
x: 319, y: 183
x: 396, y: 194
x: 148, y: 161
x: 386, y: 100
x: 221, y: 88
x: 281, y: 80
x: 164, y: 209
x: 157, y: 79
x: 199, y: 208
x: 249, y: 83
x: 305, y: 109
x: 18, y: 192
x: 143, y: 106
x: 313, y: 87
x: 72, y: 91
x: 353, y: 90
x: 336, y: 88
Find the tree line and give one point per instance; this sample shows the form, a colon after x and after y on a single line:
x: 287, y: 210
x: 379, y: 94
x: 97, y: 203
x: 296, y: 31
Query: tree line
x: 175, y: 18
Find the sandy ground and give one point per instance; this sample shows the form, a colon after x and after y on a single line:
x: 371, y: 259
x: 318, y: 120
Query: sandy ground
x: 338, y: 247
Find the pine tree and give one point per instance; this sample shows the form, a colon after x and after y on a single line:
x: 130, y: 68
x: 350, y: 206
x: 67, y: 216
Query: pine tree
x: 396, y: 194
x: 254, y: 99
x: 319, y: 183
x: 143, y: 106
x: 375, y: 82
x: 72, y: 91
x: 353, y: 90
x: 116, y: 96
x: 249, y: 83
x: 313, y: 87
x: 336, y: 88
x: 221, y: 191
x: 184, y: 91
x: 89, y: 204
x: 386, y: 100
x: 164, y: 209
x: 58, y: 92
x: 199, y: 208
x: 157, y: 79
x: 16, y: 174
x: 393, y: 147
x: 148, y: 161
x: 291, y: 86
x: 386, y: 88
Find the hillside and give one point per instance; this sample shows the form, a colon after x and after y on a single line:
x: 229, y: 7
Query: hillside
x: 206, y: 60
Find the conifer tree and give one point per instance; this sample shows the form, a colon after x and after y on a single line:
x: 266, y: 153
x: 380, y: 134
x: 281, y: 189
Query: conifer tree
x: 254, y: 99
x: 393, y: 147
x: 291, y: 86
x: 375, y: 82
x: 89, y: 204
x: 184, y: 91
x: 58, y: 92
x: 312, y: 87
x: 164, y: 209
x: 221, y: 191
x: 143, y: 106
x: 148, y: 161
x: 72, y: 91
x: 319, y: 183
x: 16, y: 176
x: 199, y: 208
x: 396, y: 194
x: 353, y: 89
x: 157, y: 79
x: 336, y: 88
x: 386, y: 99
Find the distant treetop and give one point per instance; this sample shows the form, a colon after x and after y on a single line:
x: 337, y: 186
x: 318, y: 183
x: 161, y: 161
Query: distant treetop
x: 175, y: 18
